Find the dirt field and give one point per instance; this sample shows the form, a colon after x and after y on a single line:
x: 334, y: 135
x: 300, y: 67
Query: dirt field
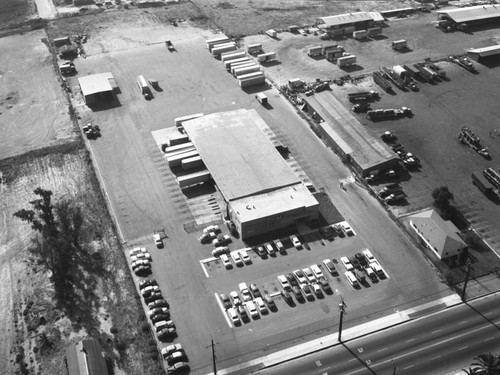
x: 110, y: 312
x: 14, y: 12
x: 33, y: 108
x: 239, y: 18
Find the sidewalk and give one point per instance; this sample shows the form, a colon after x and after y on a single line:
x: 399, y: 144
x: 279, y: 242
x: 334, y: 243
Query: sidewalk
x: 332, y: 339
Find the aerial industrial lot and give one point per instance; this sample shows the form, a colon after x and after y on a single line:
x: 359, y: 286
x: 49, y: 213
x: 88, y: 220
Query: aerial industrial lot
x: 288, y: 210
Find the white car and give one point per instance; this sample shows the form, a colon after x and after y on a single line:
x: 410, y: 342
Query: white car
x: 270, y: 249
x: 225, y: 261
x: 140, y: 256
x: 330, y: 266
x: 150, y: 289
x: 368, y: 255
x: 211, y: 228
x: 158, y: 241
x: 234, y: 316
x: 237, y: 258
x: 352, y: 279
x: 285, y: 284
x: 235, y: 297
x: 309, y: 275
x: 261, y: 305
x: 252, y: 309
x: 140, y: 262
x: 347, y: 228
x: 279, y: 246
x: 223, y: 240
x: 347, y: 263
x: 244, y: 255
x: 296, y: 242
x: 317, y: 272
x: 165, y: 352
x: 218, y: 251
x: 245, y: 292
x: 138, y: 250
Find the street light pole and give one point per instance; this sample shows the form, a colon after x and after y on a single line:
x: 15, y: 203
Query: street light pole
x: 469, y: 267
x: 342, y: 307
x: 213, y: 358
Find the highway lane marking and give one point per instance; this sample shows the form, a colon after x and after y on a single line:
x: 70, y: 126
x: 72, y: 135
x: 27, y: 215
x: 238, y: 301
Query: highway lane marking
x: 465, y: 347
x: 436, y: 357
x: 488, y: 339
x: 407, y: 367
x: 318, y: 363
x: 489, y: 313
x: 381, y: 350
x: 462, y: 322
x: 223, y: 310
x: 410, y: 340
x: 437, y: 330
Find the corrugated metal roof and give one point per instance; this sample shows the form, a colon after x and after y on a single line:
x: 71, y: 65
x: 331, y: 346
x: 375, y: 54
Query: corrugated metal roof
x: 241, y: 159
x: 95, y: 83
x: 486, y: 51
x: 85, y: 358
x: 365, y: 148
x: 476, y: 13
x: 348, y: 18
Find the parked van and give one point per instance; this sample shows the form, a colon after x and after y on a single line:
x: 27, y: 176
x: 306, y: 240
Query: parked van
x: 352, y: 279
x: 262, y: 98
x: 143, y: 86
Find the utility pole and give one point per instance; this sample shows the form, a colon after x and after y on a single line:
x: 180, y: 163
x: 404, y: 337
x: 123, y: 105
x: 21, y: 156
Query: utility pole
x: 213, y: 358
x: 395, y: 367
x: 342, y: 307
x: 469, y: 267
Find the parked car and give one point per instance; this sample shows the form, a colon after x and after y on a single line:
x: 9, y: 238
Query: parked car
x: 378, y: 270
x: 317, y: 290
x: 338, y: 230
x: 292, y: 279
x: 233, y: 315
x: 244, y: 292
x: 370, y: 273
x: 140, y: 256
x: 165, y: 352
x: 218, y: 251
x: 296, y: 242
x: 368, y: 255
x: 326, y: 287
x: 299, y: 274
x: 138, y: 263
x: 352, y: 279
x: 147, y: 282
x: 260, y: 251
x: 287, y: 297
x: 225, y: 261
x: 317, y: 272
x: 158, y: 310
x: 235, y: 297
x: 158, y: 303
x: 237, y: 259
x: 222, y: 240
x: 252, y: 309
x: 355, y: 263
x: 143, y: 270
x: 162, y: 324
x: 279, y: 246
x: 361, y: 259
x: 211, y: 228
x: 298, y: 294
x: 270, y: 249
x: 243, y: 313
x: 309, y: 275
x: 347, y: 228
x: 177, y: 368
x: 261, y: 305
x: 347, y: 263
x: 308, y: 293
x: 270, y: 302
x: 246, y: 258
x: 160, y: 317
x: 330, y: 267
x: 153, y: 297
x: 255, y: 291
x: 149, y: 289
x: 226, y: 301
x: 207, y: 237
x: 284, y: 283
x: 166, y: 334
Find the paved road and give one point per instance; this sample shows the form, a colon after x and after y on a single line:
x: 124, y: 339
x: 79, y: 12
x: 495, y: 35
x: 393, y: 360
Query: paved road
x: 436, y: 344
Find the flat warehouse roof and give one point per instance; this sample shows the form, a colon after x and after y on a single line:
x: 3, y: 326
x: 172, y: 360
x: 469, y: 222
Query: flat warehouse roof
x: 95, y: 83
x: 288, y: 199
x: 476, y: 13
x: 367, y: 150
x: 241, y: 159
x: 343, y: 19
x: 486, y: 51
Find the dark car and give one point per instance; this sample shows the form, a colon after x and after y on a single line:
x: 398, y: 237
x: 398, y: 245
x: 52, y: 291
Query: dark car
x: 255, y: 291
x: 147, y: 282
x: 292, y: 279
x: 326, y: 287
x: 338, y: 230
x: 153, y: 297
x: 298, y: 294
x: 270, y: 302
x: 355, y: 263
x: 166, y: 333
x: 243, y: 313
x: 159, y: 317
x: 287, y: 297
x: 362, y: 260
x: 308, y: 292
x: 175, y: 357
x: 226, y: 301
x: 158, y: 303
x: 143, y: 270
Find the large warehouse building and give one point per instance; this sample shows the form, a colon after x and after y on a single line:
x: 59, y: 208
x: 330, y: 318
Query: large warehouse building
x: 261, y: 191
x: 480, y: 54
x: 97, y: 89
x: 471, y: 15
x: 356, y: 144
x: 358, y: 19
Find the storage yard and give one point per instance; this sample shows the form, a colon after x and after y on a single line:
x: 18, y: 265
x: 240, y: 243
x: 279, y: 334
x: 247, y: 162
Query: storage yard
x: 255, y: 183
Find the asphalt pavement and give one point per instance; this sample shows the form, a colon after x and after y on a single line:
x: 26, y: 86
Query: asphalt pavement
x: 439, y: 343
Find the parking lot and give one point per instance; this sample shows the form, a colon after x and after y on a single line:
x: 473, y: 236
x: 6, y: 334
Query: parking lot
x: 144, y: 198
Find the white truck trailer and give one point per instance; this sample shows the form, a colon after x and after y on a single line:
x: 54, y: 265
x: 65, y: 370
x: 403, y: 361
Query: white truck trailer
x: 360, y: 34
x: 180, y: 120
x: 218, y: 40
x: 314, y: 51
x: 229, y: 63
x: 232, y: 55
x: 254, y: 48
x: 265, y: 57
x: 346, y: 61
x: 218, y: 50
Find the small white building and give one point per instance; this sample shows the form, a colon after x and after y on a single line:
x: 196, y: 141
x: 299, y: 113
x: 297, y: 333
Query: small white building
x: 439, y: 235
